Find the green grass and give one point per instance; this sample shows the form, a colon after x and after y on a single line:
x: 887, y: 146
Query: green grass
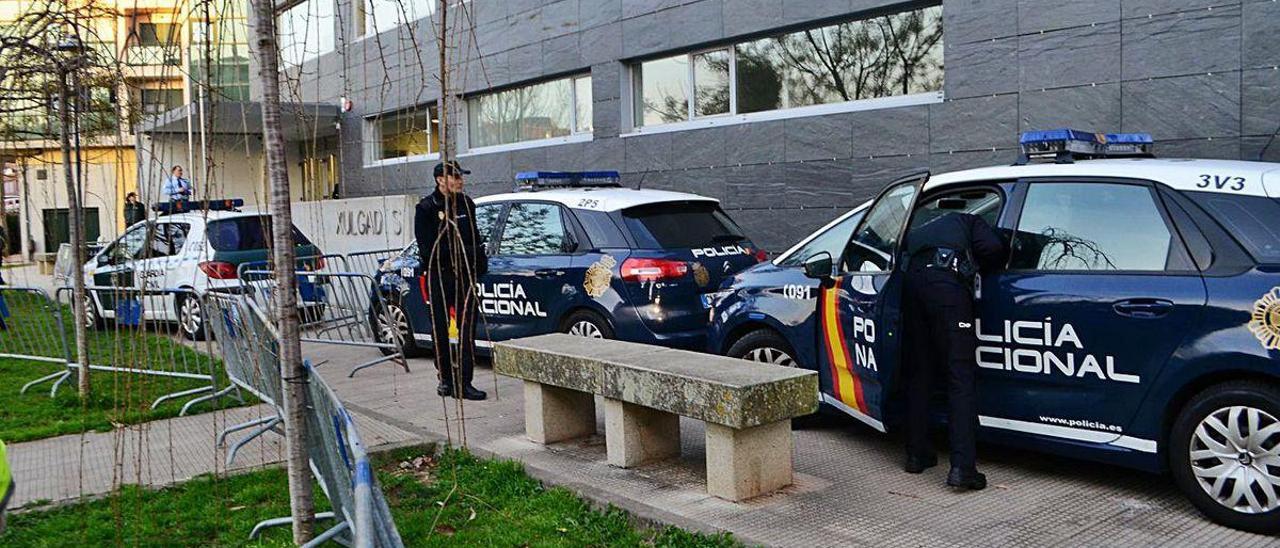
x: 458, y: 500
x: 120, y: 398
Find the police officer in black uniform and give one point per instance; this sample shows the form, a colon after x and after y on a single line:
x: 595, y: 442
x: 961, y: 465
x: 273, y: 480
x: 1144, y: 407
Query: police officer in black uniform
x: 945, y: 254
x: 453, y: 258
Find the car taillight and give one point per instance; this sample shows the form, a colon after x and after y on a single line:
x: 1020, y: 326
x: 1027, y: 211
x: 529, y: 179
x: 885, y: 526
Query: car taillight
x: 219, y: 270
x: 652, y: 270
x: 761, y: 255
x: 319, y: 263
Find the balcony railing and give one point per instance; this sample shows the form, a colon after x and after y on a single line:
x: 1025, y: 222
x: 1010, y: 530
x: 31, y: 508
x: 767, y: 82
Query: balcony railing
x: 152, y: 55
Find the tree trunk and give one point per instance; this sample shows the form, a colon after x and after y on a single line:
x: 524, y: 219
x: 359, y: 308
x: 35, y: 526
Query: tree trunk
x: 75, y: 218
x: 262, y: 21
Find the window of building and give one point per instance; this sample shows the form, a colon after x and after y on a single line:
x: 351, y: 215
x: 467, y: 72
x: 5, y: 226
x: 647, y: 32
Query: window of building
x: 407, y: 134
x: 533, y: 229
x: 1094, y: 226
x: 226, y: 42
x: 383, y: 15
x: 158, y: 34
x: 306, y: 31
x: 152, y: 102
x: 891, y: 55
x: 546, y: 110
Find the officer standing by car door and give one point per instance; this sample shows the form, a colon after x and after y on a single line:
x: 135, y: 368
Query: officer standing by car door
x: 945, y: 255
x: 453, y: 258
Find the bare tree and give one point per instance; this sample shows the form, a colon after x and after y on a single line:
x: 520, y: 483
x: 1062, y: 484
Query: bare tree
x: 292, y: 372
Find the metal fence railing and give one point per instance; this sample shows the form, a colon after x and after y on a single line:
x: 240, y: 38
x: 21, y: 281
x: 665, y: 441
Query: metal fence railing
x: 337, y: 455
x: 368, y: 262
x: 38, y: 328
x: 252, y: 363
x: 337, y: 308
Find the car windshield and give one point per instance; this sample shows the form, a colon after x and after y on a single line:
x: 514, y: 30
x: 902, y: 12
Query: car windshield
x: 246, y: 233
x: 830, y: 240
x: 1251, y: 219
x: 671, y: 225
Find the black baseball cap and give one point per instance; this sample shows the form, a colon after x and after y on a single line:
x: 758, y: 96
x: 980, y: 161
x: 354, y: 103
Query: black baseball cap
x: 453, y: 168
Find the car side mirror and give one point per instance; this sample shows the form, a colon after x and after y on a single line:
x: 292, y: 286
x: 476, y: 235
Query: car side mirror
x: 104, y: 259
x: 818, y: 266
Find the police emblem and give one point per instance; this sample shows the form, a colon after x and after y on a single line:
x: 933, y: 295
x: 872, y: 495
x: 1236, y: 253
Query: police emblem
x: 599, y: 274
x: 1265, y: 323
x: 701, y: 275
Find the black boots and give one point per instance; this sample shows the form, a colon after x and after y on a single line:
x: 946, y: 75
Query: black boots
x: 966, y: 480
x: 466, y: 392
x: 916, y: 465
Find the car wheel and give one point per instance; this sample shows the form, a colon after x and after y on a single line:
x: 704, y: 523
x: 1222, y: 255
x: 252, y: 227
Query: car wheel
x: 1225, y: 455
x: 765, y: 346
x: 92, y: 319
x: 191, y: 320
x: 585, y: 323
x: 391, y: 325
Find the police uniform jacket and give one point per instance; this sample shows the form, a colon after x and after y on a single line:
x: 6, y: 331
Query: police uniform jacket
x: 960, y: 232
x: 442, y: 243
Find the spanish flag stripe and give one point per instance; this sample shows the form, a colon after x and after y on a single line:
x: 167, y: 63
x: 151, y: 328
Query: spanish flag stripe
x: 847, y: 386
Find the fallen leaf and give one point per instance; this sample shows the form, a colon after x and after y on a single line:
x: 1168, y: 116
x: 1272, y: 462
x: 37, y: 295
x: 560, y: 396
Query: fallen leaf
x: 473, y: 515
x: 446, y: 529
x: 234, y: 508
x: 562, y: 529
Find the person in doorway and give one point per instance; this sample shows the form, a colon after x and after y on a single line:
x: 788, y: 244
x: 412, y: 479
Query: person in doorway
x: 945, y: 255
x: 176, y: 187
x: 134, y: 211
x: 453, y: 258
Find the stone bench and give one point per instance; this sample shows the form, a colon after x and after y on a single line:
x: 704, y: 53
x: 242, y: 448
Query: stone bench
x: 746, y: 406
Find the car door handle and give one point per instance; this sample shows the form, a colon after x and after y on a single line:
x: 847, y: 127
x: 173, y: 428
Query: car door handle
x: 1143, y: 308
x: 548, y: 273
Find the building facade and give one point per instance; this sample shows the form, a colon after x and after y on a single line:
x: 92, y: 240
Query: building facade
x: 148, y: 57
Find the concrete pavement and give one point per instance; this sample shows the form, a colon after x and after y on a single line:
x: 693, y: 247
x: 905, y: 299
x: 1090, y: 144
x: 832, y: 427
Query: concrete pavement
x: 849, y: 489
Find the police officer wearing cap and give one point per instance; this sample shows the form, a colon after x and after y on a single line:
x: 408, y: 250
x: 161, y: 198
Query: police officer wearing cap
x: 945, y: 255
x: 453, y: 259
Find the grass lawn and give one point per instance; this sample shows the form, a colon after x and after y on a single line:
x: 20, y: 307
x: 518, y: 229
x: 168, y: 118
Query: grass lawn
x: 458, y: 500
x: 115, y: 397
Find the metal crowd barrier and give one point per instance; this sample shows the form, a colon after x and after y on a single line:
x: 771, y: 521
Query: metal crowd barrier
x: 251, y: 353
x: 31, y: 328
x: 367, y: 262
x: 337, y: 455
x: 147, y: 310
x: 336, y: 308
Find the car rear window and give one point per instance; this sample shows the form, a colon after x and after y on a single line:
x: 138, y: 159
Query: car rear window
x: 246, y: 233
x: 1251, y: 219
x: 668, y: 225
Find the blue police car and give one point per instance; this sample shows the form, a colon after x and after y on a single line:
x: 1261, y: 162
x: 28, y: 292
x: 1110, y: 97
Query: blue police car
x: 1137, y: 322
x: 575, y: 252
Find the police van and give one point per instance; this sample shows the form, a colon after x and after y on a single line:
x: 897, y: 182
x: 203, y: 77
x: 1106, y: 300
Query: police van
x: 1137, y: 321
x: 575, y: 252
x: 188, y: 246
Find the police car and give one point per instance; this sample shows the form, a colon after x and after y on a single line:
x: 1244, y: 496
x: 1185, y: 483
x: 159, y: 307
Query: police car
x: 574, y: 252
x: 1137, y: 322
x: 186, y: 248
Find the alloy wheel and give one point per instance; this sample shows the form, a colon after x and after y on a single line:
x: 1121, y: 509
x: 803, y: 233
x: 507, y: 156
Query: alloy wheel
x: 1235, y: 457
x: 586, y: 329
x: 190, y: 316
x: 393, y: 325
x: 774, y: 356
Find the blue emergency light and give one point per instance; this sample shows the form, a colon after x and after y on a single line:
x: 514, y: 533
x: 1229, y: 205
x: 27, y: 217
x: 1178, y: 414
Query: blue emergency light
x: 1068, y: 145
x: 182, y: 206
x: 535, y: 180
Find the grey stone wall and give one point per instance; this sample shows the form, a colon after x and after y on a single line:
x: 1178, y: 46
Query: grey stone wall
x: 1200, y: 75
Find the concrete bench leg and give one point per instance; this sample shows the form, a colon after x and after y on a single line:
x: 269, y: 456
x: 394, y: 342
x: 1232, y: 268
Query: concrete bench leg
x: 634, y: 435
x: 553, y: 414
x: 750, y: 462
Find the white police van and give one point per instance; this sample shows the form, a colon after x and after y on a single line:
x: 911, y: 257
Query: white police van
x: 185, y: 248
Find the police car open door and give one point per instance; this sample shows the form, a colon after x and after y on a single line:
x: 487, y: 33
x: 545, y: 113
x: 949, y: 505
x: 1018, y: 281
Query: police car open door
x: 858, y: 311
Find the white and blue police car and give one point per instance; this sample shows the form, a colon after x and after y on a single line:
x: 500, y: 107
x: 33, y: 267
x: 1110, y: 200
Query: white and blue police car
x: 1137, y: 322
x: 575, y: 252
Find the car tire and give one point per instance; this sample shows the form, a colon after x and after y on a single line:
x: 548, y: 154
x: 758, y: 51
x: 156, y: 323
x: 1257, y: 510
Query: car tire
x: 585, y: 323
x: 381, y: 321
x: 1246, y: 449
x: 763, y: 345
x: 192, y: 322
x: 93, y: 320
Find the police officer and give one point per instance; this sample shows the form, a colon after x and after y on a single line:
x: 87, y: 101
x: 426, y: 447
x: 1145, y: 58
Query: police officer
x: 453, y: 259
x: 945, y: 254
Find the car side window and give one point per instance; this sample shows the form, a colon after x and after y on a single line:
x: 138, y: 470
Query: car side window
x: 486, y: 217
x: 533, y: 229
x: 1095, y: 226
x: 167, y: 239
x: 130, y: 245
x: 829, y: 241
x: 872, y: 245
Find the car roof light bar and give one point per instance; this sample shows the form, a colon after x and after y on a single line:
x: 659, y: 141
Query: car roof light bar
x: 537, y: 180
x: 174, y: 207
x: 1066, y: 146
